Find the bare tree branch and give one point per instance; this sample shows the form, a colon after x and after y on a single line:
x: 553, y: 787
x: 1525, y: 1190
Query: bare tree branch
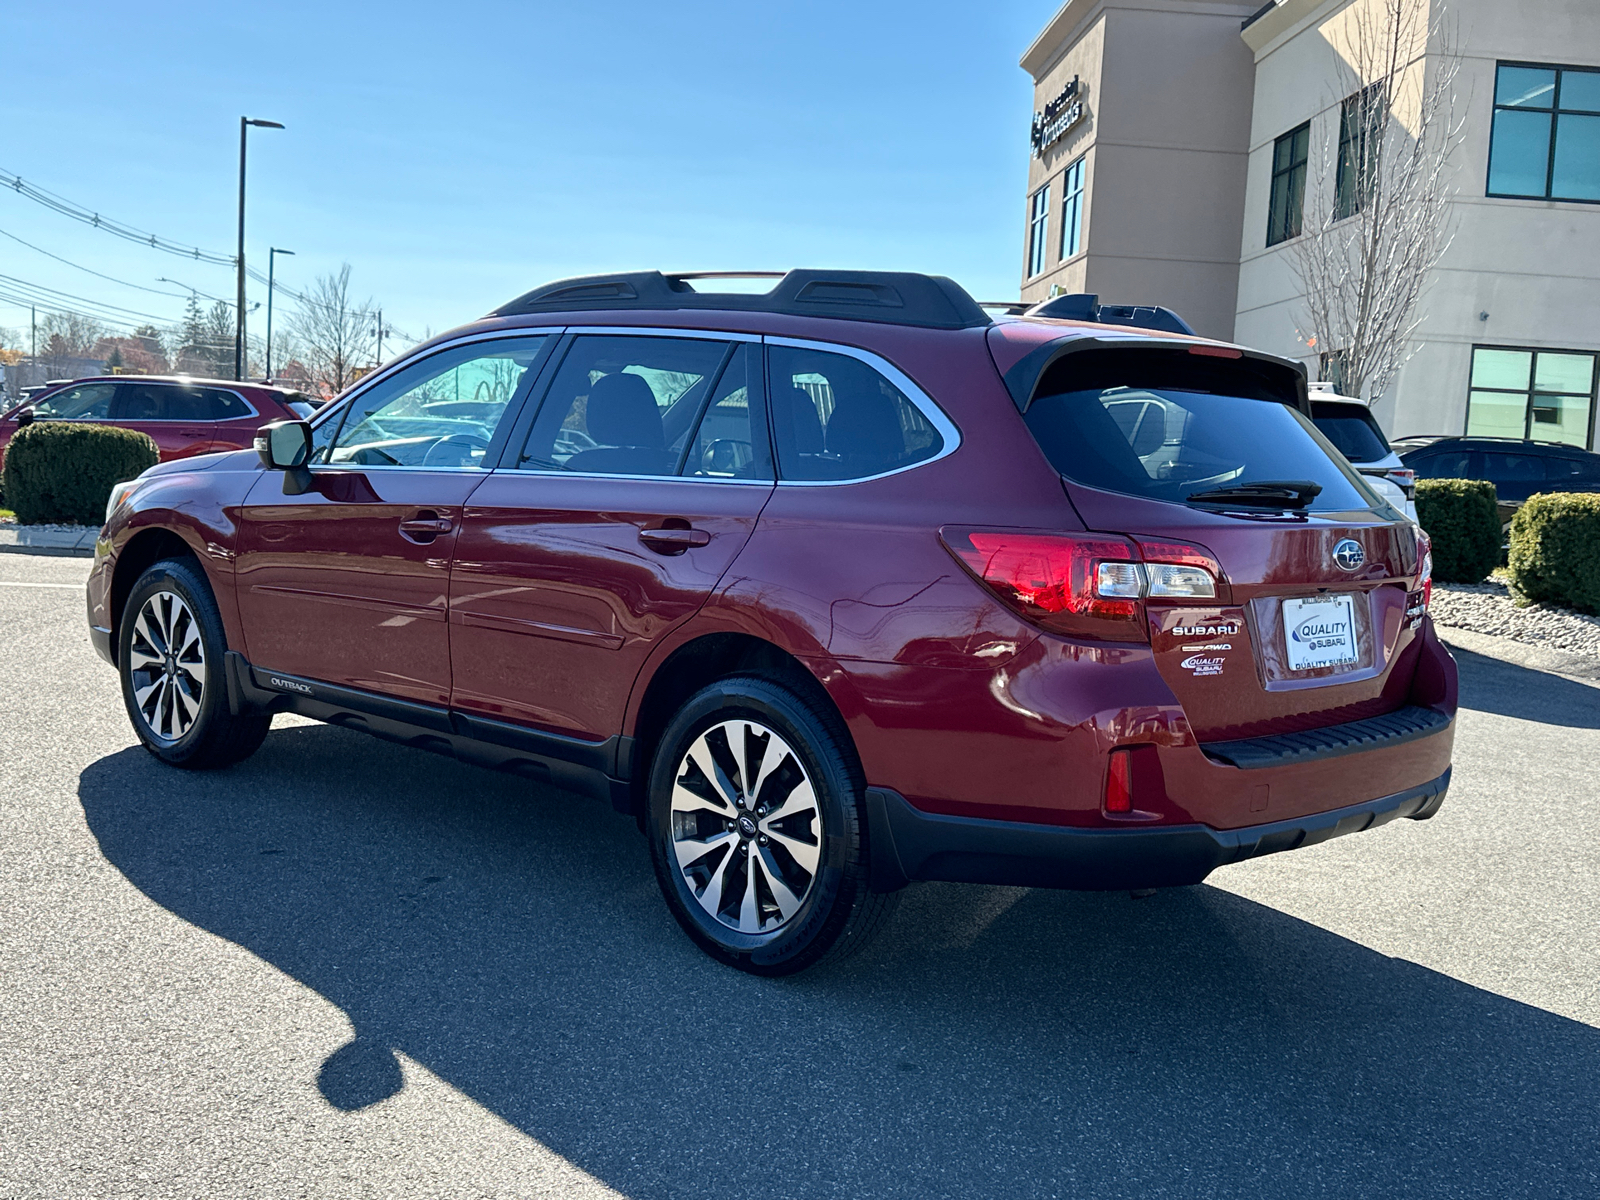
x: 1376, y: 223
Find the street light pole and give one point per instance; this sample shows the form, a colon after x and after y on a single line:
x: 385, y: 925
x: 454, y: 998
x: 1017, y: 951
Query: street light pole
x: 238, y: 337
x: 272, y: 259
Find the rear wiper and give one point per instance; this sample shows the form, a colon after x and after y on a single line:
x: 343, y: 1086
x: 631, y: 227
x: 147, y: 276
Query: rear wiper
x: 1267, y: 493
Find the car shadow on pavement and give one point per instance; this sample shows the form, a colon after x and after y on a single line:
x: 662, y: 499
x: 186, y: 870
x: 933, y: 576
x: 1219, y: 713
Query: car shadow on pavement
x: 1512, y: 690
x: 993, y: 1042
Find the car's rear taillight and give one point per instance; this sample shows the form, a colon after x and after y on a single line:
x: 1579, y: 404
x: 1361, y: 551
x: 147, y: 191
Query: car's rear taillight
x: 1424, y: 566
x: 1406, y: 480
x: 1119, y: 783
x: 1090, y: 585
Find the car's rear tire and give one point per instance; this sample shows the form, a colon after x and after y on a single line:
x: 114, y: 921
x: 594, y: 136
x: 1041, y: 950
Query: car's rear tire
x: 170, y: 650
x: 766, y: 873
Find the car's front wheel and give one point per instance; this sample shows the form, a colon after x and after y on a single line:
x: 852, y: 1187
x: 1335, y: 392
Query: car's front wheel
x: 170, y: 653
x: 757, y: 829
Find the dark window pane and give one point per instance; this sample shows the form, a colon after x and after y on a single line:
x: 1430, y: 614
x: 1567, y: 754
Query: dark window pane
x: 1577, y: 166
x: 623, y: 405
x: 1513, y: 468
x: 1525, y: 87
x: 1289, y: 155
x: 1580, y: 90
x: 1446, y: 464
x: 835, y: 417
x: 1110, y: 438
x: 731, y: 440
x: 1581, y: 470
x: 1354, y: 433
x: 225, y: 406
x: 1519, y: 154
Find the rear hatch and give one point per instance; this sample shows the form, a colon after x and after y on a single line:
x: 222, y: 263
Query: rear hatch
x: 1207, y: 455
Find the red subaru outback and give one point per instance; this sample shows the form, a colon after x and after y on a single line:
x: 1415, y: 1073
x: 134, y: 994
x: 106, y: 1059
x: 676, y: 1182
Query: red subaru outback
x: 834, y: 588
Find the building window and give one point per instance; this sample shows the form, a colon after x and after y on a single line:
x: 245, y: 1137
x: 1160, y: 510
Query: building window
x: 1072, y: 210
x: 1361, y: 119
x: 1289, y: 155
x: 1545, y: 144
x: 1547, y: 395
x: 1038, y: 227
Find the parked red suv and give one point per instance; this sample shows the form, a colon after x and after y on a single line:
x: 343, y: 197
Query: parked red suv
x: 833, y: 588
x: 185, y: 416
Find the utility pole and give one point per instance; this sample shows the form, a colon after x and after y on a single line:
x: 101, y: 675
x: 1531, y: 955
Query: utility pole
x: 238, y: 337
x: 380, y: 339
x: 33, y: 320
x: 272, y: 259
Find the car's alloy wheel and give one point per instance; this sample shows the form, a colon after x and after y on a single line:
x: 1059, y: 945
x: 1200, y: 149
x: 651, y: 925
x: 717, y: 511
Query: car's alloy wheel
x: 746, y: 827
x: 167, y: 665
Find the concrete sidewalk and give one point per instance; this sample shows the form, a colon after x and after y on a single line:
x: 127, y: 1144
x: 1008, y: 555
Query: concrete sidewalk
x: 75, y: 541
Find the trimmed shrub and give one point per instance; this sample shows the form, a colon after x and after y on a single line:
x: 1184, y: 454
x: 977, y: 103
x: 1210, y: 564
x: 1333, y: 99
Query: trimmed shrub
x: 1461, y: 517
x: 1555, y: 550
x: 62, y: 471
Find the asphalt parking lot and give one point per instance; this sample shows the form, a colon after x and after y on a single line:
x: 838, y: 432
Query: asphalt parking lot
x: 344, y: 968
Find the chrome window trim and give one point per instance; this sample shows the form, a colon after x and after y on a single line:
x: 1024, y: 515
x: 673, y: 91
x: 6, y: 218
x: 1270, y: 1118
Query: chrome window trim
x: 924, y: 403
x: 721, y: 335
x: 547, y: 474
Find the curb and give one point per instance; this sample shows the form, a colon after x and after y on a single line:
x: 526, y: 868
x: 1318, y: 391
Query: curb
x: 1523, y: 654
x: 24, y: 539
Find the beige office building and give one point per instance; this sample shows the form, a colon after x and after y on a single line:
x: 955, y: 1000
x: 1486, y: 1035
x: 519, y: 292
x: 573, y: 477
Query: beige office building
x: 1177, y: 143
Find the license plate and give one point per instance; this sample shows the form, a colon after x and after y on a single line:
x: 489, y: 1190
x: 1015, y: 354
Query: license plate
x: 1320, y: 631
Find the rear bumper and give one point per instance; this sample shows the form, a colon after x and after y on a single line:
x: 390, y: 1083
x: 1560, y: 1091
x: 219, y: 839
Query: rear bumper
x: 908, y: 844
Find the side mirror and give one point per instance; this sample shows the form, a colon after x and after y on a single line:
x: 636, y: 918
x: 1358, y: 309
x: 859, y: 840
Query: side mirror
x: 286, y: 446
x: 24, y: 417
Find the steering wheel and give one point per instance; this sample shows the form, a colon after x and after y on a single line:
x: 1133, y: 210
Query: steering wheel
x: 454, y: 450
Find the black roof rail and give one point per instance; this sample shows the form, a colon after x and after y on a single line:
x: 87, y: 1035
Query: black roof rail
x: 1086, y: 306
x: 888, y: 297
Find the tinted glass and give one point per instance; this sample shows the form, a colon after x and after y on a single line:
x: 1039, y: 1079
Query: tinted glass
x: 1442, y: 464
x: 731, y: 441
x: 1520, y: 160
x: 1501, y: 368
x: 623, y: 405
x: 1513, y: 468
x: 1207, y: 441
x: 1573, y: 470
x: 1576, y: 173
x: 87, y: 402
x: 1581, y: 90
x: 1353, y: 431
x: 171, y: 402
x: 834, y: 417
x: 1497, y: 414
x: 1525, y: 87
x: 225, y: 406
x: 438, y: 412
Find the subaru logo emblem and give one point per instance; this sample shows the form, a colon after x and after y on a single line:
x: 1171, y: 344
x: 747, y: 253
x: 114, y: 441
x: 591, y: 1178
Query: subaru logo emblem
x: 1349, y: 555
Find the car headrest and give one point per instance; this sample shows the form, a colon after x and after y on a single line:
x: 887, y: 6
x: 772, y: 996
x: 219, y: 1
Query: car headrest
x: 865, y: 424
x: 622, y: 412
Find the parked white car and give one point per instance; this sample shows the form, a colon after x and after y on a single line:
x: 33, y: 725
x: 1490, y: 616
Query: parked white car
x: 1348, y: 423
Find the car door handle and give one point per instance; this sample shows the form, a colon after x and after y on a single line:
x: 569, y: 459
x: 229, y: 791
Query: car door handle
x: 673, y: 541
x: 423, y: 529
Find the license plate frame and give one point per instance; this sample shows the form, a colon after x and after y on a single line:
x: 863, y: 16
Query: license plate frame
x: 1319, y: 632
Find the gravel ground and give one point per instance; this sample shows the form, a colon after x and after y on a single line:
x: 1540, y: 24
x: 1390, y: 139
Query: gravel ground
x: 1489, y: 608
x: 47, y: 528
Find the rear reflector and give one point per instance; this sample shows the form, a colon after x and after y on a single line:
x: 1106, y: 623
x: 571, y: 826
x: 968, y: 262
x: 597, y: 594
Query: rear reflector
x: 1119, y: 783
x: 1216, y: 351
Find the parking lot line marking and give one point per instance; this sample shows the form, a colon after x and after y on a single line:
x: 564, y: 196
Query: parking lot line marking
x: 24, y: 583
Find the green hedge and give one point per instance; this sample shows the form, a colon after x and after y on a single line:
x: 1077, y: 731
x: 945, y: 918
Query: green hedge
x: 62, y: 471
x: 1555, y: 550
x: 1461, y: 518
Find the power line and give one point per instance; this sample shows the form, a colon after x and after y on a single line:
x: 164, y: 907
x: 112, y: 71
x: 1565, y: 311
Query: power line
x: 90, y: 270
x: 53, y: 293
x: 89, y: 217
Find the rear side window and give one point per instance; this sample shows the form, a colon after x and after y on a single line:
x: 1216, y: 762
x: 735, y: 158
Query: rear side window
x: 1574, y: 470
x: 169, y: 402
x: 628, y: 406
x: 1352, y: 429
x: 1171, y: 443
x: 1513, y: 468
x: 836, y: 418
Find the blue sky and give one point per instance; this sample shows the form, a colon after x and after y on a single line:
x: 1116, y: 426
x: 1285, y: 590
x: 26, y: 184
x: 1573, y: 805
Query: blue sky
x: 458, y: 154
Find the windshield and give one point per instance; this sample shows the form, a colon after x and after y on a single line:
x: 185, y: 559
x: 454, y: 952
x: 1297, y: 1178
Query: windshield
x: 1353, y: 431
x: 1169, y: 444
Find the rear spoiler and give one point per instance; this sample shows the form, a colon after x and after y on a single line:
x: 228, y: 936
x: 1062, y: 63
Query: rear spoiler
x: 1286, y: 376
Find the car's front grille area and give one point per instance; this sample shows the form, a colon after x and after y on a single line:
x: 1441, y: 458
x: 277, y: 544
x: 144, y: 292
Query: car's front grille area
x: 1284, y: 749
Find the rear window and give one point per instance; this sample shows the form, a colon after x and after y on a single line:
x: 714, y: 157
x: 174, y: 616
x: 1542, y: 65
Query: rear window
x: 1170, y: 443
x: 1353, y: 431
